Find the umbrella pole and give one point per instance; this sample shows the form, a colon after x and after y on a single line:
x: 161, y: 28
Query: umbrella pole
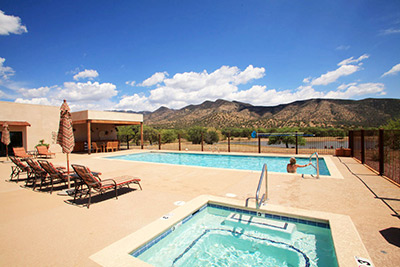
x: 69, y: 184
x: 6, y: 152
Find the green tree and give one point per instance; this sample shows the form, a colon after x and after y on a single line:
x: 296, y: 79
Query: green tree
x: 150, y: 134
x: 126, y: 133
x: 392, y: 124
x: 211, y: 137
x: 194, y: 134
x: 168, y: 136
x: 286, y: 139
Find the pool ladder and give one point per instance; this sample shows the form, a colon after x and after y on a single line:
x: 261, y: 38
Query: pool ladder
x: 316, y: 167
x: 264, y: 198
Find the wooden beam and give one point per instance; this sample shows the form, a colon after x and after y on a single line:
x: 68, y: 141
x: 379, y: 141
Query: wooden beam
x: 108, y: 122
x: 89, y: 138
x: 141, y: 135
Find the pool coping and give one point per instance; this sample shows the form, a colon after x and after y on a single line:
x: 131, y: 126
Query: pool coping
x: 333, y: 170
x: 346, y: 239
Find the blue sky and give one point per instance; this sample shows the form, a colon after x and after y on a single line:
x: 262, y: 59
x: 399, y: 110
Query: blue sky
x: 140, y: 55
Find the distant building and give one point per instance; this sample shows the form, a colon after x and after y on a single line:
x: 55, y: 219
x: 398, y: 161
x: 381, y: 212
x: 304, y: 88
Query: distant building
x: 29, y: 123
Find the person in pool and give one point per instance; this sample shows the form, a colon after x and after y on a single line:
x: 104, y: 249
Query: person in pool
x: 292, y: 166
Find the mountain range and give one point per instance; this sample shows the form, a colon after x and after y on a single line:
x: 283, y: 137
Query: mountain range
x: 371, y: 112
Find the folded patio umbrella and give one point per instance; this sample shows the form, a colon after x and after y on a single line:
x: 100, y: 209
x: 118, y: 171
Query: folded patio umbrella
x: 5, y: 137
x: 65, y: 137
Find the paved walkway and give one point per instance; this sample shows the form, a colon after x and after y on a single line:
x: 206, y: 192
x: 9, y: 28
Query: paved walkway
x: 42, y: 229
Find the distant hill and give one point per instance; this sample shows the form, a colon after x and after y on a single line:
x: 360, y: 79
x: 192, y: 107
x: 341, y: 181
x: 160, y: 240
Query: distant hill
x: 371, y: 112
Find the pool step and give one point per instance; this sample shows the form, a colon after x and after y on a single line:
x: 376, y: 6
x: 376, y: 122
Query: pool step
x: 282, y: 228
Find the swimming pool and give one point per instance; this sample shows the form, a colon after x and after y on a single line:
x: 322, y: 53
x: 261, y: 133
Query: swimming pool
x: 238, y: 162
x: 217, y: 235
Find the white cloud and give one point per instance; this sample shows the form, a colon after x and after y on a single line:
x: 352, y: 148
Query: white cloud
x: 332, y: 76
x: 11, y: 24
x: 393, y: 71
x: 343, y: 47
x: 354, y: 89
x: 250, y: 73
x: 135, y: 102
x: 2, y: 94
x: 389, y: 31
x: 36, y: 101
x: 5, y: 72
x: 35, y: 92
x: 352, y: 61
x: 156, y: 78
x: 90, y: 74
x: 130, y: 83
x: 89, y: 92
x: 346, y: 67
x: 80, y: 96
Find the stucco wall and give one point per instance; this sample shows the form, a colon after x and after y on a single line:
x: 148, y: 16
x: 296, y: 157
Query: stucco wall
x: 44, y: 122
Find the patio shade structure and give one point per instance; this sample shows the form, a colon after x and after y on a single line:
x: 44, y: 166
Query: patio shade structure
x: 65, y: 137
x: 89, y: 118
x: 5, y: 137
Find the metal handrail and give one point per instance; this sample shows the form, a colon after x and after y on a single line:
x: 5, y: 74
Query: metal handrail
x: 316, y: 167
x: 260, y: 201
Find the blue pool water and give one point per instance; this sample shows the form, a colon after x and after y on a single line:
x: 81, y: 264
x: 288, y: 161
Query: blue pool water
x: 223, y: 236
x: 254, y: 163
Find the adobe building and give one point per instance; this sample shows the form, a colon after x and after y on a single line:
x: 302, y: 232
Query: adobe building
x: 30, y: 123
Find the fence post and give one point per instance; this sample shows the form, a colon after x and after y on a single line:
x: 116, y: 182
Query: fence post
x: 381, y: 152
x: 159, y: 141
x: 259, y: 144
x: 297, y: 148
x: 202, y: 139
x: 179, y: 138
x: 229, y: 142
x: 362, y: 147
x: 351, y: 143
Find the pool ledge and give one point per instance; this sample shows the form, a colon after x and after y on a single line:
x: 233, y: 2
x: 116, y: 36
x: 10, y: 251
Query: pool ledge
x: 346, y: 239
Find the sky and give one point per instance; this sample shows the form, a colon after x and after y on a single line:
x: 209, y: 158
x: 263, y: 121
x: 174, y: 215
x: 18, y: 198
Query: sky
x: 141, y: 55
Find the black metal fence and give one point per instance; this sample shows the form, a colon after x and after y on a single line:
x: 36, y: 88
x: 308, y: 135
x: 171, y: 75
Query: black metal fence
x: 322, y: 145
x: 379, y: 149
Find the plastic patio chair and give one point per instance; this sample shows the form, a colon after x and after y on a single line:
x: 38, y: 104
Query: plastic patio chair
x: 94, y: 183
x: 20, y: 152
x: 42, y: 151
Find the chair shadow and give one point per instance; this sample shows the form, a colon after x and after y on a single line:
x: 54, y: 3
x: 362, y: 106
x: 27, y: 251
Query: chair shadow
x: 392, y: 235
x: 97, y: 198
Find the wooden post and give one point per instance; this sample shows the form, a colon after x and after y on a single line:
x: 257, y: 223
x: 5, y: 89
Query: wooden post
x: 351, y: 143
x: 141, y: 135
x: 127, y: 141
x: 259, y: 144
x: 362, y: 147
x: 381, y: 152
x: 229, y: 142
x: 202, y: 139
x: 89, y: 138
x: 179, y: 139
x: 297, y: 147
x: 159, y: 141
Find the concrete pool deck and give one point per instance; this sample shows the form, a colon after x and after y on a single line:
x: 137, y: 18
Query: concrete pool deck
x: 43, y: 229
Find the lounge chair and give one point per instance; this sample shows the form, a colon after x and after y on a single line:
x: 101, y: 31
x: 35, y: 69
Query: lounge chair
x: 19, y: 168
x: 93, y: 182
x: 42, y: 151
x: 55, y: 173
x: 21, y: 153
x: 37, y: 173
x: 95, y: 147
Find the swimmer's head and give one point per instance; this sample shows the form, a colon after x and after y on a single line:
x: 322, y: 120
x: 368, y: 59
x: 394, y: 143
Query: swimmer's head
x: 292, y: 161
